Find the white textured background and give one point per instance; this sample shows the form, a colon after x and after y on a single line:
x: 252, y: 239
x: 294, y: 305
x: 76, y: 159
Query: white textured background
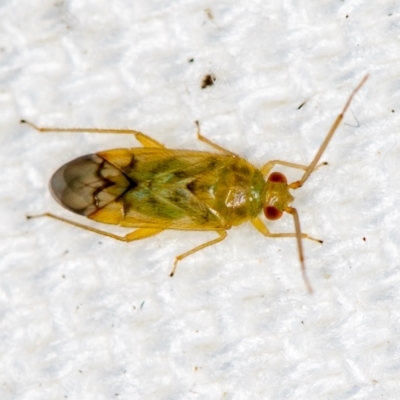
x: 85, y: 317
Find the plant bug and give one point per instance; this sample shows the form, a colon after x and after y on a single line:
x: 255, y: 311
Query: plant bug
x: 153, y: 188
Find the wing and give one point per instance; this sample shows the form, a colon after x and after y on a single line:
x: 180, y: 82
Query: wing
x: 161, y: 187
x: 143, y: 187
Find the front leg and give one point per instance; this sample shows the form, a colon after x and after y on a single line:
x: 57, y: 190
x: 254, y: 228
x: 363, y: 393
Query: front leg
x: 260, y: 226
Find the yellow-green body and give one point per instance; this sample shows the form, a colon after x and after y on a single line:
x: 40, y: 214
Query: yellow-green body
x: 158, y: 187
x: 152, y: 188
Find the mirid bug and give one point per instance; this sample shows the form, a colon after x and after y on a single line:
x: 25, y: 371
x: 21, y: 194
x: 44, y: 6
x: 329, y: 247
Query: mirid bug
x: 153, y: 188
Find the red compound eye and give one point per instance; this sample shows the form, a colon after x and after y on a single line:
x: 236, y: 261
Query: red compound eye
x: 272, y: 212
x: 277, y: 177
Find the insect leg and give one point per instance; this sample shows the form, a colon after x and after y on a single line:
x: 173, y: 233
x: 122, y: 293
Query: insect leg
x: 212, y: 144
x: 140, y: 233
x: 270, y: 164
x: 144, y: 140
x: 222, y: 236
x: 260, y: 226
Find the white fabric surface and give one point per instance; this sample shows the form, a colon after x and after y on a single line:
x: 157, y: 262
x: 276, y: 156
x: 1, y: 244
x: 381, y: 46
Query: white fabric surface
x: 85, y: 317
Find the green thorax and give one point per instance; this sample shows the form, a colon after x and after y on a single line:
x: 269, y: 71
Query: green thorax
x: 232, y: 191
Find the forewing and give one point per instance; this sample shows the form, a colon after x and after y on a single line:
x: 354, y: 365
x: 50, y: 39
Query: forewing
x: 161, y: 190
x: 88, y: 184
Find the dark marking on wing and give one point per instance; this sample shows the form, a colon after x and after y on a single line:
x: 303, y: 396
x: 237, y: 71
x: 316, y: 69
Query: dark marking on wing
x: 88, y: 183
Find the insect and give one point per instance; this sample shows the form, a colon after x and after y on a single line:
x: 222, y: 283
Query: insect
x: 152, y: 188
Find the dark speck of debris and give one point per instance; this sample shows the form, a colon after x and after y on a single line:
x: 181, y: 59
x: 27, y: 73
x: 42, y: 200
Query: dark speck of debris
x: 302, y: 104
x: 208, y: 80
x: 191, y: 60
